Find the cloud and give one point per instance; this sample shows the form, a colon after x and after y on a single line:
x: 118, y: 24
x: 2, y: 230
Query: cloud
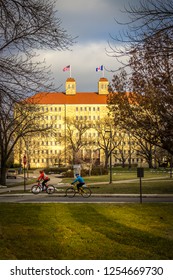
x: 92, y: 21
x: 83, y: 59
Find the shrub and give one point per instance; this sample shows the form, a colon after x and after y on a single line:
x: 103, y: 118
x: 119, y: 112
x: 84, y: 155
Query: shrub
x: 56, y: 170
x: 99, y: 170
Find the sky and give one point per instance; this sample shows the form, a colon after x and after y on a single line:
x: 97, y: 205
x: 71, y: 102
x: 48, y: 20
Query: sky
x: 92, y: 22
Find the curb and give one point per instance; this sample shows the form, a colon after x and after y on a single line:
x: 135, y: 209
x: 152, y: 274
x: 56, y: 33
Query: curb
x: 94, y: 195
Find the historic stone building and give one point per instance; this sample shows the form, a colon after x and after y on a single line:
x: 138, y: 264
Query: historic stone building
x: 58, y: 109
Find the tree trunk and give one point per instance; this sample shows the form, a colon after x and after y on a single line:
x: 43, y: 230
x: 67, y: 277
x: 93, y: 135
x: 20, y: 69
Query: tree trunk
x: 106, y: 161
x: 3, y: 175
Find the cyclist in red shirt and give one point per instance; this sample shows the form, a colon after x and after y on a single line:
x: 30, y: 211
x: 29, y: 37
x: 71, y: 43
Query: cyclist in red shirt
x: 43, y: 177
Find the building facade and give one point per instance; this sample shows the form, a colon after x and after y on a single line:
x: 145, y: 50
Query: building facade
x: 64, y: 112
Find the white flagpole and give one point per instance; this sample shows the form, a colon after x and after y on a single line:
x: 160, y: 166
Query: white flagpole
x: 70, y: 71
x: 103, y: 72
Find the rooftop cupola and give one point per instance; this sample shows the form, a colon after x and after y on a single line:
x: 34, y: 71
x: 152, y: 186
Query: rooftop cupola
x: 103, y: 86
x: 70, y: 86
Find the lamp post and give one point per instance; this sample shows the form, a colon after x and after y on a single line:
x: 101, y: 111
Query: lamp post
x: 110, y: 162
x: 24, y: 163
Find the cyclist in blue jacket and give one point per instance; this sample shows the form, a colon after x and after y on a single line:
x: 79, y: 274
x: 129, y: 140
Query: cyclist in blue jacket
x: 80, y: 180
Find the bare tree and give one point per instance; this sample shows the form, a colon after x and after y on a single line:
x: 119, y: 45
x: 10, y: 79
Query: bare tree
x: 108, y: 139
x: 74, y: 137
x: 148, y: 108
x: 16, y: 124
x: 125, y: 148
x: 25, y: 28
x: 145, y: 20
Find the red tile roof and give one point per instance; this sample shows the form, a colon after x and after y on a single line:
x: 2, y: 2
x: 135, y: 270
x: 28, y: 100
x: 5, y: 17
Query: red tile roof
x: 62, y: 98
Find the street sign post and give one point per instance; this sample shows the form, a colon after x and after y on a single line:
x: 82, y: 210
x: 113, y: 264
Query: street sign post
x: 140, y: 174
x: 24, y: 163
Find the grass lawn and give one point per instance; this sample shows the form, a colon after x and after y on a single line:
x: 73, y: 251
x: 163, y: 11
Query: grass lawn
x: 86, y: 231
x: 156, y: 182
x: 150, y: 187
x: 124, y: 175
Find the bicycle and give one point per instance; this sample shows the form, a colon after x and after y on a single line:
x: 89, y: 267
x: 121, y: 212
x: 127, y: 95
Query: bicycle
x: 83, y: 191
x: 36, y: 189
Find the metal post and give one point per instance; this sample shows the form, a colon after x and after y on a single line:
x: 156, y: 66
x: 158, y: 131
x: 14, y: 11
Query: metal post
x: 110, y: 162
x: 24, y: 178
x: 171, y: 162
x: 65, y: 133
x: 110, y: 178
x: 140, y: 189
x: 24, y: 163
x: 140, y: 174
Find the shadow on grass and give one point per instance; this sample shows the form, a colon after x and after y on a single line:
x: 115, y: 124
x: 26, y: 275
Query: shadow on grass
x: 128, y: 242
x: 85, y: 231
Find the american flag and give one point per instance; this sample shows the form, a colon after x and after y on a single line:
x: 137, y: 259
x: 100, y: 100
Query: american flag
x: 67, y: 68
x: 100, y: 68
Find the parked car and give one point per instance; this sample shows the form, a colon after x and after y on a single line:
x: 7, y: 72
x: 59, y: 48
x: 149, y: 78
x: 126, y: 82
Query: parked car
x: 11, y: 173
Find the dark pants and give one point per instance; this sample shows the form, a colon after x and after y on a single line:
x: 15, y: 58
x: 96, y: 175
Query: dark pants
x: 44, y: 182
x: 79, y: 185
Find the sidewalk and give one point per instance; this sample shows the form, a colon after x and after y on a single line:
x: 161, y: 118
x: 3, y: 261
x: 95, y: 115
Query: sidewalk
x: 57, y: 183
x: 59, y: 192
x: 93, y: 194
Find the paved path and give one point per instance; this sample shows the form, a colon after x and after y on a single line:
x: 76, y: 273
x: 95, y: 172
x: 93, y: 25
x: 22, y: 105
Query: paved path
x: 60, y: 197
x: 95, y: 198
x: 54, y: 180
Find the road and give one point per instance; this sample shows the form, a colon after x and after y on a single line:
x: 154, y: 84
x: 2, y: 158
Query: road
x: 60, y: 198
x: 54, y: 198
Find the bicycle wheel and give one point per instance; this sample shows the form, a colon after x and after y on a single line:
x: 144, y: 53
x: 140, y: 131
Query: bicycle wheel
x: 70, y: 192
x: 85, y: 192
x: 50, y: 189
x: 36, y: 189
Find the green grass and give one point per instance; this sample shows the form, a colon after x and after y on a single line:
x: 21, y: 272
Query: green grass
x: 123, y: 175
x: 86, y: 231
x: 155, y: 182
x: 154, y: 186
x: 150, y: 187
